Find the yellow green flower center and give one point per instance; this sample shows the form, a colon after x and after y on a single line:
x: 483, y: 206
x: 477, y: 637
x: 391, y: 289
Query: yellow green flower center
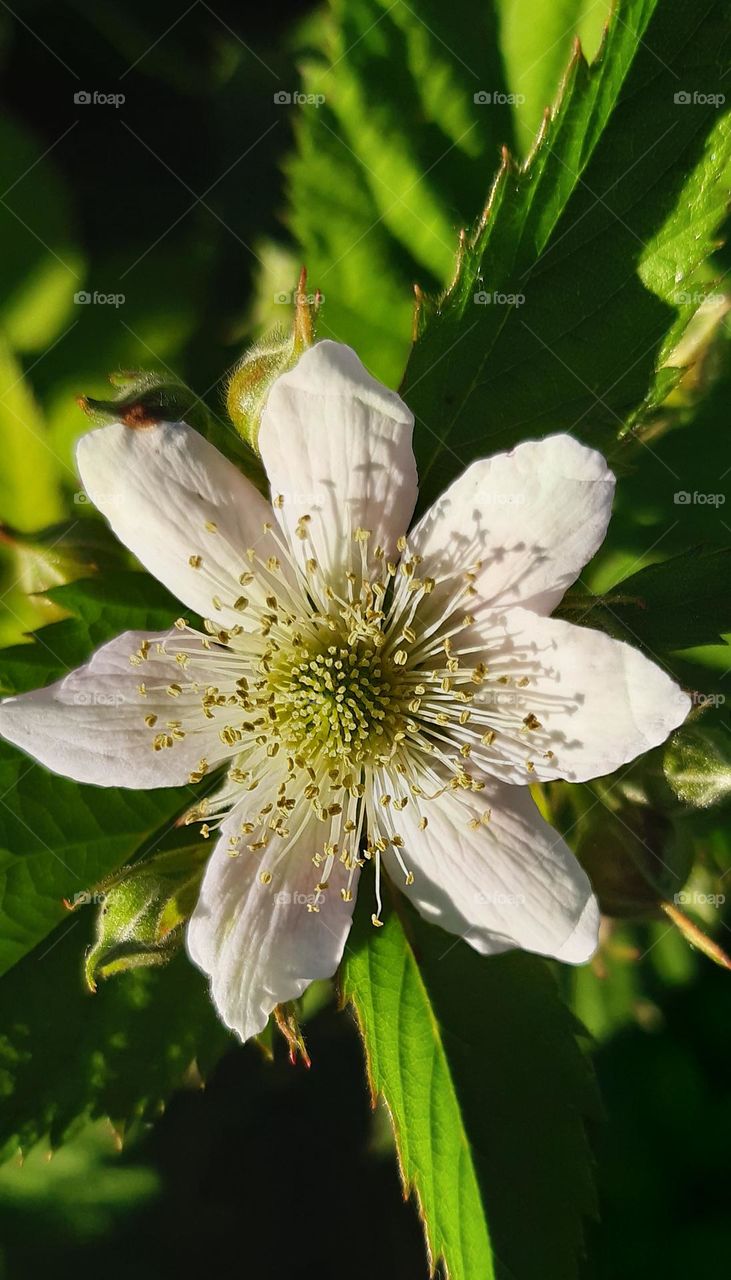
x: 340, y: 702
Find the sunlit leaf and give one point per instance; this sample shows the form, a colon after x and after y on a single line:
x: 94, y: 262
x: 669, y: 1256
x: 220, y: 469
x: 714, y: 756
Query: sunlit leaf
x: 31, y: 474
x: 580, y: 277
x: 394, y: 159
x: 643, y: 608
x: 467, y: 1051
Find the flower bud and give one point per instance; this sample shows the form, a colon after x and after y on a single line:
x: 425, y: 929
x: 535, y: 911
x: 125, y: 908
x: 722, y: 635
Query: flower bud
x: 142, y: 911
x: 252, y: 378
x: 697, y: 765
x: 143, y: 399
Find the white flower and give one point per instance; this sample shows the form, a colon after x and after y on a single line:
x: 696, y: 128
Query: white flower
x: 375, y: 695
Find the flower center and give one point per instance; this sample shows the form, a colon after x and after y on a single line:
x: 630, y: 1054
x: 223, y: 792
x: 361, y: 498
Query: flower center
x: 340, y: 702
x: 371, y: 695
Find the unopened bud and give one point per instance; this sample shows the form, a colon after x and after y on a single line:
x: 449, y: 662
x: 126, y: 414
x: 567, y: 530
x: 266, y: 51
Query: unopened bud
x: 142, y: 399
x: 251, y: 380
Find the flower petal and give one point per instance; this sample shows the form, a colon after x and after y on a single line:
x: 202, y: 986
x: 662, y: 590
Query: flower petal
x: 490, y: 869
x: 533, y: 518
x: 336, y: 445
x: 185, y: 511
x: 565, y: 701
x: 259, y: 944
x: 91, y: 725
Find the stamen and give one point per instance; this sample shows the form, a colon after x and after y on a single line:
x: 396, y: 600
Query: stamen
x: 341, y: 701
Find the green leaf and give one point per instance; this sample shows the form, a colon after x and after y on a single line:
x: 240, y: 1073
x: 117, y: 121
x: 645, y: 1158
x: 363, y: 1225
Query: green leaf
x: 467, y: 1052
x: 77, y: 1193
x: 30, y: 479
x: 67, y: 1056
x: 30, y: 564
x: 143, y: 910
x: 536, y: 40
x: 395, y: 157
x: 581, y: 275
x: 343, y: 256
x: 104, y: 606
x: 408, y: 1065
x: 108, y: 599
x: 643, y: 609
x: 59, y: 839
x: 697, y: 765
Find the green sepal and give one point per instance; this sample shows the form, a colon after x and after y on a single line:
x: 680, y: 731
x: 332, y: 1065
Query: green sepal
x: 143, y: 399
x: 286, y: 1020
x: 142, y: 912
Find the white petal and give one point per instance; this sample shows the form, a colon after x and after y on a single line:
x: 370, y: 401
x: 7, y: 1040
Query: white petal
x: 533, y: 517
x: 336, y: 445
x: 162, y: 488
x: 258, y: 943
x: 599, y: 702
x: 90, y: 726
x: 512, y: 882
